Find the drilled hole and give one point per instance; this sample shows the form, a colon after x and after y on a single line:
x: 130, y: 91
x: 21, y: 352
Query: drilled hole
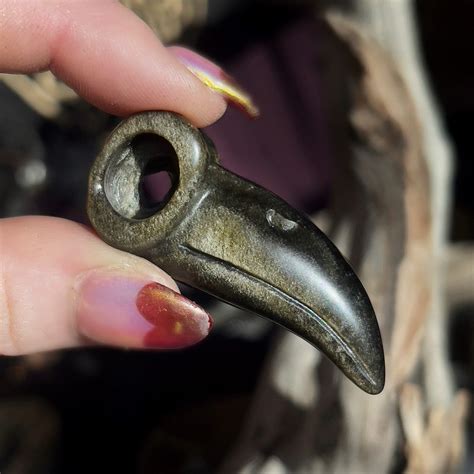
x: 154, y: 188
x: 143, y: 177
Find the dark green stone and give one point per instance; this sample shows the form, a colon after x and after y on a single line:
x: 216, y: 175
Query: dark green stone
x: 232, y: 239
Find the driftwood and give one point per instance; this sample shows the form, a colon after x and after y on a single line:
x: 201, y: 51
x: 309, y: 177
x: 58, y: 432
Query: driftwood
x: 390, y: 216
x: 169, y: 18
x: 459, y: 275
x: 42, y: 92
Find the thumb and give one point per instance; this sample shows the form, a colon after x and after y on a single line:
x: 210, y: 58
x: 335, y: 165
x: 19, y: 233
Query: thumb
x: 61, y: 286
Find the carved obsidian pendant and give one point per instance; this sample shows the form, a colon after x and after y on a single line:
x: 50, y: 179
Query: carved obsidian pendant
x: 232, y: 239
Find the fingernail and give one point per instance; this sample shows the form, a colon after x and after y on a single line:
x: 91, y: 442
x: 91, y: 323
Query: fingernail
x: 217, y: 80
x: 123, y: 311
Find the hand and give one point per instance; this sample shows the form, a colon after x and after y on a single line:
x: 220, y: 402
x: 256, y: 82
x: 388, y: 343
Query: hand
x: 60, y: 285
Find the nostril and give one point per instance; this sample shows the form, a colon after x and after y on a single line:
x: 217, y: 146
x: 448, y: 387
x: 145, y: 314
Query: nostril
x: 277, y: 221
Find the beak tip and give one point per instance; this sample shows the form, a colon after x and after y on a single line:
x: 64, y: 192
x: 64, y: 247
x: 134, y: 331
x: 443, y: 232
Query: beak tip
x: 375, y: 385
x: 366, y: 364
x: 371, y: 376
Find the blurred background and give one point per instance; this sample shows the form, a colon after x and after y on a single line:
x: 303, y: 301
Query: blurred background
x: 107, y: 410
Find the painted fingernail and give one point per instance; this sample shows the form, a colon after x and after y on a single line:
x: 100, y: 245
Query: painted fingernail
x: 127, y: 312
x: 216, y: 79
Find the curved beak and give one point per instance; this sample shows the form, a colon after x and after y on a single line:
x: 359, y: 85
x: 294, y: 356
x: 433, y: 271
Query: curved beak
x: 248, y: 247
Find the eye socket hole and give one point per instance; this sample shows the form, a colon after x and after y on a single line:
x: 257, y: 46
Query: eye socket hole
x: 143, y: 178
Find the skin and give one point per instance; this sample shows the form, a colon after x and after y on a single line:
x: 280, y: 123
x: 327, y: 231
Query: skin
x: 113, y: 60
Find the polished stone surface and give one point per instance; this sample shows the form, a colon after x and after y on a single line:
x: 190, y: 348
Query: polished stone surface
x: 233, y: 239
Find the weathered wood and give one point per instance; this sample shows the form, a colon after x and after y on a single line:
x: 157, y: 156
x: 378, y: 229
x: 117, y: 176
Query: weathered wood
x: 169, y: 18
x: 390, y: 216
x: 459, y: 274
x: 45, y: 94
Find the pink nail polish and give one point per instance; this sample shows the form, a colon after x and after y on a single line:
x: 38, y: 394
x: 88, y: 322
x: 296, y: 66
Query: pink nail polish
x: 216, y: 79
x: 120, y: 311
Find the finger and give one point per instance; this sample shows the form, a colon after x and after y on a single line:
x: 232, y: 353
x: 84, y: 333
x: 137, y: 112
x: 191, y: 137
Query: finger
x: 106, y: 54
x: 60, y: 286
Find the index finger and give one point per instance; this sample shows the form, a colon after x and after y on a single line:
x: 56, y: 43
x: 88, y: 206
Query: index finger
x: 106, y: 54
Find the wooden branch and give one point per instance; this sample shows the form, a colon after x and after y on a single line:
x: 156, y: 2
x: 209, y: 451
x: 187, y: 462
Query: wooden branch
x: 459, y: 274
x: 426, y: 446
x: 42, y: 92
x: 33, y: 94
x: 389, y: 215
x: 168, y: 18
x: 392, y: 22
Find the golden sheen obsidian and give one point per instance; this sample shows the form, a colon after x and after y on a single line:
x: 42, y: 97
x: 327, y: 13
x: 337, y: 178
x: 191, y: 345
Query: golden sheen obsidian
x: 232, y: 239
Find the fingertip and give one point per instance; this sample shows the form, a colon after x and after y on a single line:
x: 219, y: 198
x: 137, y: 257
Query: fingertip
x: 125, y: 310
x: 217, y: 80
x: 106, y: 54
x: 131, y: 73
x: 60, y: 282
